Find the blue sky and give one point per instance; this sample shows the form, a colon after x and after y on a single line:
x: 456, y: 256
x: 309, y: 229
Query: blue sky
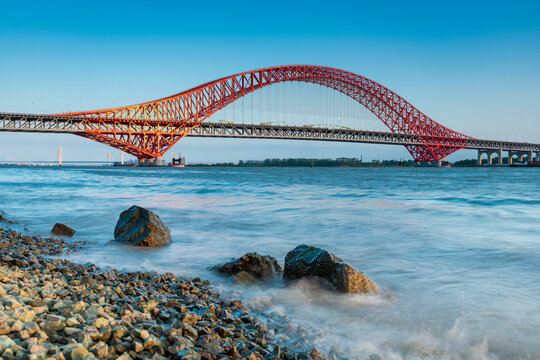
x: 472, y: 66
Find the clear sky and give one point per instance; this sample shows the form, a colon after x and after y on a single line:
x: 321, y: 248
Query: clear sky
x: 473, y: 66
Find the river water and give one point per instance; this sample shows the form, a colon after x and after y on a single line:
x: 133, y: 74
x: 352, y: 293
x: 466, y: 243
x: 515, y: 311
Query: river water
x: 456, y: 251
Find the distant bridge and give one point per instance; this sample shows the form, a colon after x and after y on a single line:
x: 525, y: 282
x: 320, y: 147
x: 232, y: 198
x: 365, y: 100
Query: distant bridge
x: 76, y: 125
x: 150, y: 129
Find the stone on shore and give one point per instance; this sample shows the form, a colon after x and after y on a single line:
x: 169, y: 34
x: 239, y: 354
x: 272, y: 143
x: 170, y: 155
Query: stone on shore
x: 6, y: 342
x: 251, y: 267
x: 311, y: 262
x: 3, y: 219
x: 141, y: 227
x: 62, y: 229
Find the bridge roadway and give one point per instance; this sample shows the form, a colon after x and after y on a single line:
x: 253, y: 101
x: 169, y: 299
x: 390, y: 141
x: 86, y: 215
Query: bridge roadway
x: 74, y: 125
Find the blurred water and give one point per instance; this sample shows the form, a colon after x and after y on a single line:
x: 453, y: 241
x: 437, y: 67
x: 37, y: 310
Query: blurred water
x: 456, y: 251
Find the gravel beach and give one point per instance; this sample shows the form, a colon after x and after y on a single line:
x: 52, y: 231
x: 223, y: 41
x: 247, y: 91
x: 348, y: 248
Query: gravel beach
x: 52, y: 308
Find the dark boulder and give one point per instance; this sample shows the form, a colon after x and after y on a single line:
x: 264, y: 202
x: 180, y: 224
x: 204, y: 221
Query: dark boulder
x: 62, y: 229
x: 260, y: 267
x: 3, y: 219
x: 141, y: 227
x: 311, y: 262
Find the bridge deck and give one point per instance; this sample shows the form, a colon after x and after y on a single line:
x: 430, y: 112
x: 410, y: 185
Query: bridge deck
x: 77, y: 125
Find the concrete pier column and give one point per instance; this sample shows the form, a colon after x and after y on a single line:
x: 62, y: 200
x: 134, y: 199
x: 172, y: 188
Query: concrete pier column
x: 530, y: 156
x: 158, y: 161
x: 490, y: 158
x: 143, y: 162
x: 479, y: 161
x: 499, y: 152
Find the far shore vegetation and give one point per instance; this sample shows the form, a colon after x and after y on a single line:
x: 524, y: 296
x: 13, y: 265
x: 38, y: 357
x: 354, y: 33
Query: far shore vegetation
x: 339, y: 162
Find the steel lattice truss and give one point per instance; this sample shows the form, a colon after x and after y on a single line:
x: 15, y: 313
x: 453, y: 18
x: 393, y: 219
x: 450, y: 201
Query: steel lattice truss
x: 76, y: 125
x: 148, y: 130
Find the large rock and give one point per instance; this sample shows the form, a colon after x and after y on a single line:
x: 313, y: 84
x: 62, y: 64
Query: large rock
x: 62, y: 229
x: 141, y: 227
x: 260, y: 267
x: 308, y: 261
x: 3, y: 219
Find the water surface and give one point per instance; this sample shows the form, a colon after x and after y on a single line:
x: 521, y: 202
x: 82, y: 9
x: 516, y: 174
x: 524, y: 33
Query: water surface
x: 456, y: 251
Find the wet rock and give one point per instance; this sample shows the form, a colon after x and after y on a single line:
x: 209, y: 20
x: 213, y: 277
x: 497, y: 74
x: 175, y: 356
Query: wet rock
x: 119, y: 332
x: 37, y: 348
x: 78, y: 354
x: 260, y: 267
x: 191, y: 332
x: 17, y: 326
x: 141, y: 227
x: 62, y: 229
x: 150, y: 305
x: 315, y: 354
x: 150, y: 342
x: 6, y: 342
x: 244, y: 278
x: 188, y: 354
x: 308, y: 261
x: 101, y: 322
x: 4, y: 328
x: 138, y: 347
x: 224, y: 332
x: 189, y: 318
x: 54, y: 326
x: 100, y: 350
x: 144, y: 334
x: 27, y: 316
x: 71, y: 331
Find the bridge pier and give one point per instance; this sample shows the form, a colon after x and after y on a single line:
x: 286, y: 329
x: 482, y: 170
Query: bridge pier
x: 511, y: 157
x: 489, y: 154
x: 157, y: 161
x: 520, y: 156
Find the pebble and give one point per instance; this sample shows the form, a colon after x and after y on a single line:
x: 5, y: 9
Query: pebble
x: 51, y: 308
x: 6, y: 342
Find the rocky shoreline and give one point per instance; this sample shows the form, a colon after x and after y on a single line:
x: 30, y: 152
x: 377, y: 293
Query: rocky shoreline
x: 55, y: 309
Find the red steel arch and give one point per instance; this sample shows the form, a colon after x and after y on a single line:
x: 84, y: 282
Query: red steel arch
x: 148, y: 130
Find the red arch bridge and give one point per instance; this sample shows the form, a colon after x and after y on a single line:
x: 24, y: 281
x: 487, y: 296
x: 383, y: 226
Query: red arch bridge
x: 149, y: 129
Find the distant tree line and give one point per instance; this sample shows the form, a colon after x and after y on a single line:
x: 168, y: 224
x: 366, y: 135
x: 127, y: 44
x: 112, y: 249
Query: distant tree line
x: 303, y: 162
x: 339, y: 162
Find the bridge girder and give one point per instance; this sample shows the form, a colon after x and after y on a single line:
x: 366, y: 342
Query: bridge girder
x: 124, y: 129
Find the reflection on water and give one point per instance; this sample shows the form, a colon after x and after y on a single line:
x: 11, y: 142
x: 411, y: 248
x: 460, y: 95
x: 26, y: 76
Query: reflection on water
x: 456, y: 251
